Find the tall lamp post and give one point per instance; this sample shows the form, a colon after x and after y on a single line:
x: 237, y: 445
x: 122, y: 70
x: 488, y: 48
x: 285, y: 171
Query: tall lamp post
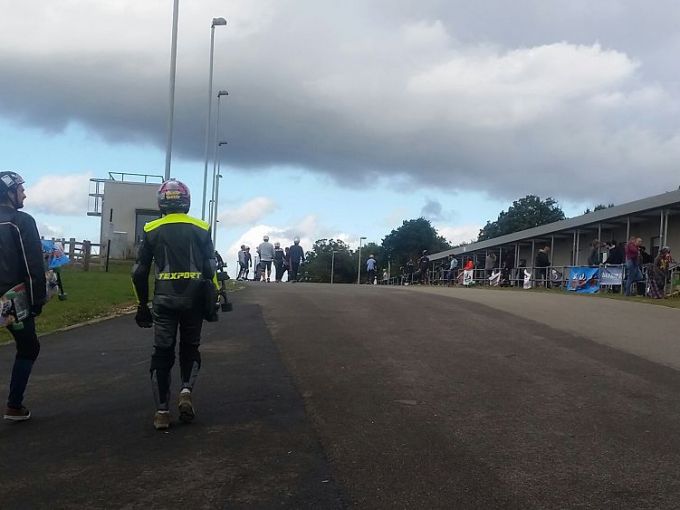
x: 359, y: 262
x: 217, y: 135
x: 216, y: 186
x: 216, y: 22
x: 333, y: 252
x: 173, y: 68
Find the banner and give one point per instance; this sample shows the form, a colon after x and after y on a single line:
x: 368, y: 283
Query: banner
x: 584, y: 280
x: 54, y: 254
x: 468, y: 277
x: 612, y: 275
x: 495, y: 279
x: 527, y: 279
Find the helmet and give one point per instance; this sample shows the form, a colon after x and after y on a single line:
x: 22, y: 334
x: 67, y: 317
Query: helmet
x: 424, y: 252
x: 174, y: 196
x: 265, y: 238
x: 10, y: 181
x: 277, y: 245
x: 296, y: 240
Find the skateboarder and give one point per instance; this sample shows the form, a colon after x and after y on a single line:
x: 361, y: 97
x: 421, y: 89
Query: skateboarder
x: 21, y: 261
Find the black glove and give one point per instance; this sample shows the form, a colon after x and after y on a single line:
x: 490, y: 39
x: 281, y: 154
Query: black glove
x: 143, y: 317
x: 36, y: 310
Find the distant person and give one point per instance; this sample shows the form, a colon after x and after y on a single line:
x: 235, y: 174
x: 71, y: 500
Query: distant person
x: 594, y: 256
x: 453, y: 270
x: 243, y: 258
x: 370, y: 269
x: 423, y: 268
x: 185, y: 293
x: 279, y: 256
x: 633, y: 273
x: 21, y: 260
x: 489, y: 264
x: 659, y: 273
x: 286, y: 263
x: 469, y: 265
x: 542, y: 262
x: 266, y: 252
x: 616, y: 254
x: 409, y: 270
x: 297, y: 257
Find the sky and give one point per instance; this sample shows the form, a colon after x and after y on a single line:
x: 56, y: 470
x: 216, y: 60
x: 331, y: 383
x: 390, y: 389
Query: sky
x: 344, y: 118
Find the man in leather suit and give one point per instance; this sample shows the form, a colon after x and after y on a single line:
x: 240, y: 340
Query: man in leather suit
x: 21, y: 261
x: 184, y: 294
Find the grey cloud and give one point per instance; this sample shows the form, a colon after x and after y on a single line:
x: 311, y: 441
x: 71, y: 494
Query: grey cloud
x: 432, y: 210
x: 326, y: 90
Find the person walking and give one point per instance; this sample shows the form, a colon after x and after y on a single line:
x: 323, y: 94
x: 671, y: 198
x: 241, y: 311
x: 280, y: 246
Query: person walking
x: 297, y: 257
x: 370, y: 269
x: 249, y: 263
x: 21, y: 261
x: 423, y: 267
x: 279, y: 255
x: 242, y: 263
x: 266, y: 252
x: 453, y: 270
x: 185, y: 292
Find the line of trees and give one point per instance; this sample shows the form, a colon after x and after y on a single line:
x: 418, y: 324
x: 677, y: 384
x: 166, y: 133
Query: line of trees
x: 413, y: 236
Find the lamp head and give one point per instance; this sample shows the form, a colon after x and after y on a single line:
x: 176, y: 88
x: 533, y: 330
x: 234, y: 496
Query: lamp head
x: 216, y: 22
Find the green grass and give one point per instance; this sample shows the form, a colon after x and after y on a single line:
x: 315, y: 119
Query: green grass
x: 91, y: 294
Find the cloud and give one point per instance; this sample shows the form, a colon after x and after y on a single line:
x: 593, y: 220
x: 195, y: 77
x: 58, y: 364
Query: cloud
x: 503, y: 97
x: 432, y: 210
x: 248, y: 213
x: 459, y: 234
x: 48, y: 231
x: 65, y: 195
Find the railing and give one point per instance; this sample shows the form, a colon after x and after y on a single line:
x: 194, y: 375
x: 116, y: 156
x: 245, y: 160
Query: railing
x: 83, y: 254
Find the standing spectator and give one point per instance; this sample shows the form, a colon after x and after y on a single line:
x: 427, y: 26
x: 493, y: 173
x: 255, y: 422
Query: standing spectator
x: 490, y: 264
x: 542, y: 263
x: 249, y: 263
x: 286, y: 262
x: 633, y: 273
x: 410, y: 269
x: 423, y: 267
x: 658, y: 274
x: 297, y: 257
x: 370, y: 269
x: 242, y: 263
x: 594, y: 257
x: 21, y: 260
x: 616, y: 254
x: 279, y: 255
x: 266, y: 252
x: 453, y: 270
x: 645, y: 258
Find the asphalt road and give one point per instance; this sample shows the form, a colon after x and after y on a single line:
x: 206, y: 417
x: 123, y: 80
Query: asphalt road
x: 317, y: 396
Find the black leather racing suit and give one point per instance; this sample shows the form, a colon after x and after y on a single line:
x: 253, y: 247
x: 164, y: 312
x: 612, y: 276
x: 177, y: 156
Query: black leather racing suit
x: 21, y: 261
x: 184, y: 255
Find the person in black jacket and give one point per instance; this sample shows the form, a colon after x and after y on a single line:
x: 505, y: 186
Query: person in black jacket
x: 297, y: 257
x: 542, y: 263
x: 184, y: 294
x: 21, y: 261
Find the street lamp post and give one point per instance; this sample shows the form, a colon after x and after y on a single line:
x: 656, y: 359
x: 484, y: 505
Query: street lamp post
x: 216, y: 199
x: 217, y: 134
x: 173, y: 68
x: 333, y: 252
x: 215, y: 23
x: 359, y: 262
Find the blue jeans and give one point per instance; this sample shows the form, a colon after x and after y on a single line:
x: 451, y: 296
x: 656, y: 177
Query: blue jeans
x: 633, y: 274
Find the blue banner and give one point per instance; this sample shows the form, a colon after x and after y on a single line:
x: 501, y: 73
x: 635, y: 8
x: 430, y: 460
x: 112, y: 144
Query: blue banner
x: 584, y: 280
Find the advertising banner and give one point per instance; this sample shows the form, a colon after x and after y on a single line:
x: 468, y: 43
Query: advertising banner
x: 468, y: 278
x: 612, y: 275
x: 527, y: 279
x: 584, y: 280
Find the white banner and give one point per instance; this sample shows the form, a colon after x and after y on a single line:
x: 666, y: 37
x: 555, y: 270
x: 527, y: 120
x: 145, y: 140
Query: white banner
x: 611, y: 275
x: 527, y: 279
x: 468, y: 277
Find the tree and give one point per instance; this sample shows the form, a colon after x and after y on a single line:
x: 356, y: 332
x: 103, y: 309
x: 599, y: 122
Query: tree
x: 317, y: 267
x: 409, y: 241
x: 527, y: 212
x: 598, y: 207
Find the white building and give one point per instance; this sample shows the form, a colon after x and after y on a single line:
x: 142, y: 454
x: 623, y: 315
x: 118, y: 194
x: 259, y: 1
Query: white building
x: 124, y: 202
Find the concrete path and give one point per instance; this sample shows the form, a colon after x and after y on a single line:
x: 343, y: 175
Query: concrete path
x: 319, y: 396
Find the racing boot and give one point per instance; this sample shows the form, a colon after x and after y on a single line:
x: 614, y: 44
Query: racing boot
x: 161, y: 420
x: 186, y: 407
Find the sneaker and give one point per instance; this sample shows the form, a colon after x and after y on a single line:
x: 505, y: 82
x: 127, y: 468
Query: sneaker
x: 161, y: 420
x: 14, y: 414
x: 186, y: 408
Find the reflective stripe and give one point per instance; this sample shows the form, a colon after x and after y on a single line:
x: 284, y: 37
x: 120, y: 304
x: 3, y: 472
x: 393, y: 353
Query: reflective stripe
x: 191, y: 275
x: 175, y: 218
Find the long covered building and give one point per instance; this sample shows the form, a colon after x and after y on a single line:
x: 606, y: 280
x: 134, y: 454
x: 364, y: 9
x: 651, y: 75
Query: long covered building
x: 654, y: 219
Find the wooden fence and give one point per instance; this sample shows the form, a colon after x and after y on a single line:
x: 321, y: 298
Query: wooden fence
x: 84, y: 254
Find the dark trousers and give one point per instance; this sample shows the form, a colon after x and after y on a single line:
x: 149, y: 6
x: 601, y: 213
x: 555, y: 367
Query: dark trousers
x: 293, y: 272
x: 166, y: 323
x: 371, y: 276
x: 28, y: 348
x: 279, y: 270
